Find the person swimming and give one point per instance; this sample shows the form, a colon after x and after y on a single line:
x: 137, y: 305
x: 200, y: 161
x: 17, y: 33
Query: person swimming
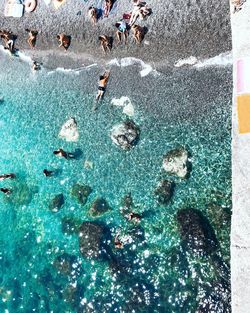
x: 118, y: 243
x: 36, y: 66
x: 103, y: 80
x: 66, y: 155
x: 6, y: 176
x: 48, y: 173
x: 134, y: 217
x: 6, y: 191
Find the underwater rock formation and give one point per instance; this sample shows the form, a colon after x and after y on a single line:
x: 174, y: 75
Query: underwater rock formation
x: 99, y: 207
x: 175, y: 162
x: 164, y: 191
x: 125, y: 135
x: 90, y: 239
x: 196, y: 232
x: 69, y: 130
x: 81, y: 192
x: 70, y: 225
x: 67, y: 264
x: 56, y: 203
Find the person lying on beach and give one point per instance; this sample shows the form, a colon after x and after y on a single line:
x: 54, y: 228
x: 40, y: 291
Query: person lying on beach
x: 107, y: 7
x: 103, y: 80
x: 237, y: 5
x: 9, y: 40
x: 32, y: 37
x: 106, y: 43
x: 6, y: 176
x: 93, y: 12
x: 64, y: 41
x: 140, y: 11
x: 66, y: 155
x: 6, y: 191
x: 48, y: 173
x: 122, y: 29
x: 138, y: 33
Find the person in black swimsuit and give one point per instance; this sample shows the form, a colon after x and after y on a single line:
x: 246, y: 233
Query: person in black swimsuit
x: 102, y: 85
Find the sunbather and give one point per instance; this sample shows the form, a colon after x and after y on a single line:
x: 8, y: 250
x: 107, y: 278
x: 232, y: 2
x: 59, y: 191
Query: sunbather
x: 64, y: 41
x: 32, y: 37
x: 106, y: 43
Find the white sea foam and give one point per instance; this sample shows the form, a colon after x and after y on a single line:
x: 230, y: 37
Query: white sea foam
x: 223, y: 59
x: 146, y: 68
x: 127, y: 105
x: 75, y: 71
x: 21, y: 55
x: 188, y: 61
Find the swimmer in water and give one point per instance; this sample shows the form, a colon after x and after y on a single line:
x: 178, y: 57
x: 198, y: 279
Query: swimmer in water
x: 6, y: 191
x: 103, y: 81
x: 48, y: 173
x: 6, y: 176
x: 66, y: 155
x: 118, y: 243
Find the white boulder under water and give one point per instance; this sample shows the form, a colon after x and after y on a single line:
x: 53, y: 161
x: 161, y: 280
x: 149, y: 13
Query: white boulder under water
x: 69, y: 130
x: 125, y: 135
x: 175, y: 162
x: 127, y: 105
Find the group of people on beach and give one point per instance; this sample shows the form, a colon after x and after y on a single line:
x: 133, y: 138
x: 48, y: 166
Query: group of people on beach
x: 127, y: 23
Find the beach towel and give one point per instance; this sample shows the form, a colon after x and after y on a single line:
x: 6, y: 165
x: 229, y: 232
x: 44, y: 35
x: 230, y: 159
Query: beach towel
x: 13, y: 9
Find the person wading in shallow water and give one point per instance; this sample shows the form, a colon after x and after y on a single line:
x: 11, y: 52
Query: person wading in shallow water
x: 66, y: 155
x: 103, y: 81
x: 48, y: 173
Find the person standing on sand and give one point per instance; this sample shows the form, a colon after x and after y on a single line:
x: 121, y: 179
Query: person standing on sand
x: 32, y: 37
x: 106, y: 43
x: 122, y: 29
x: 103, y: 80
x: 93, y: 12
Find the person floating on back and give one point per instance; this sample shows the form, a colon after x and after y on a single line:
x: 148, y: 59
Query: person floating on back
x: 32, y: 37
x: 7, y: 176
x: 66, y: 155
x: 64, y: 41
x: 103, y: 81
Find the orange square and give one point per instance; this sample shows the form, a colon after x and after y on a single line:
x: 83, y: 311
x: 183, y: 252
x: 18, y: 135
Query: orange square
x: 243, y: 107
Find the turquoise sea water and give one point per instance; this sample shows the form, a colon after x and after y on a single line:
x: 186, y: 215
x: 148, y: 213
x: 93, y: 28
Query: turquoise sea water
x: 153, y: 272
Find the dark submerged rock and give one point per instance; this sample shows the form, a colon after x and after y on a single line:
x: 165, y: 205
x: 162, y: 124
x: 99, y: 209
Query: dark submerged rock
x: 99, y: 207
x: 67, y: 264
x: 56, y: 203
x: 70, y: 225
x: 90, y: 239
x: 196, y: 232
x: 81, y: 192
x: 164, y: 191
x: 125, y: 135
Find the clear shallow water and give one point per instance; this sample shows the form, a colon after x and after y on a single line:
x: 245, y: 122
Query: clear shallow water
x: 152, y: 273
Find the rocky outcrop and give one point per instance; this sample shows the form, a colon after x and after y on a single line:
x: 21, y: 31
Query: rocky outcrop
x: 99, y: 207
x: 81, y: 193
x: 56, y: 203
x: 69, y: 130
x: 67, y: 264
x: 175, y: 162
x: 90, y: 239
x: 125, y: 135
x: 164, y: 191
x: 196, y: 232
